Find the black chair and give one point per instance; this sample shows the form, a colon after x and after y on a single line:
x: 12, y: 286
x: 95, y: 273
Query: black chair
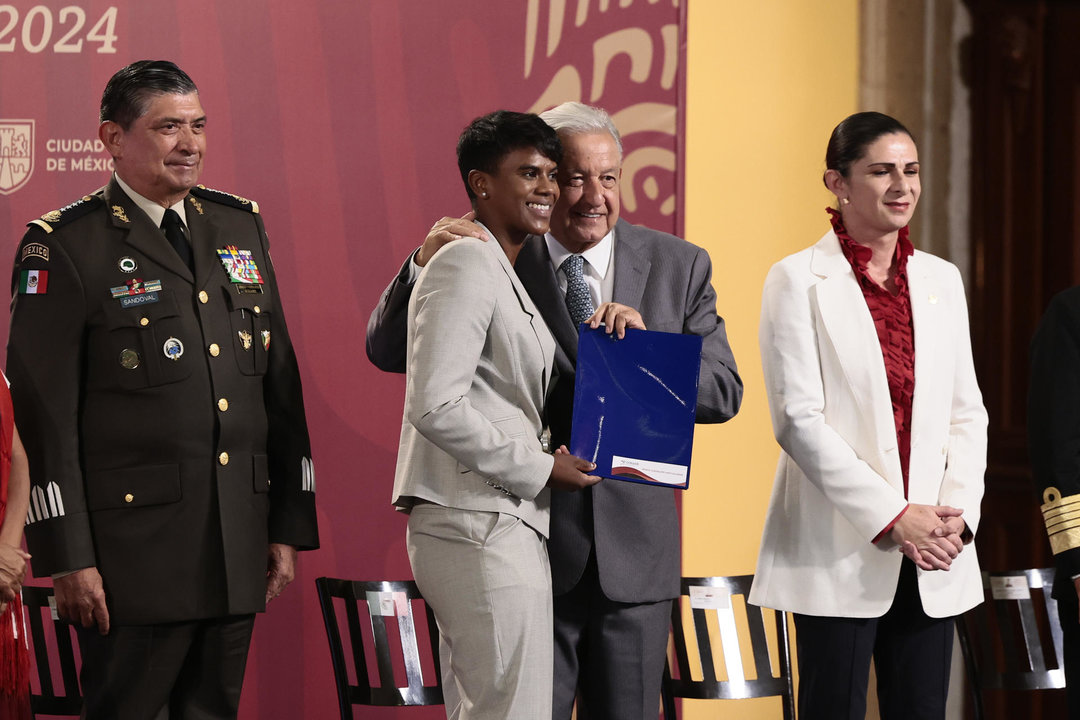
x: 37, y: 602
x: 378, y: 602
x: 1013, y: 640
x: 714, y: 597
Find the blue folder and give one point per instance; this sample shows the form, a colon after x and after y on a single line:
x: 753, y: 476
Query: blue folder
x: 634, y: 404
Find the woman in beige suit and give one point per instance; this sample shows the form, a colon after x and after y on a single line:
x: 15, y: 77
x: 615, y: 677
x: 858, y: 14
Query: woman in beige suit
x: 472, y: 471
x: 872, y: 390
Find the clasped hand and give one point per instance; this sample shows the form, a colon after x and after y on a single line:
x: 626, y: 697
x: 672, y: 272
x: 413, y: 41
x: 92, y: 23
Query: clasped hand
x: 930, y: 535
x: 12, y: 572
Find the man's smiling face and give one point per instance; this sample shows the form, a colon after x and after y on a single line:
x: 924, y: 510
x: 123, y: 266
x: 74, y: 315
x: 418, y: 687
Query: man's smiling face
x: 589, y: 178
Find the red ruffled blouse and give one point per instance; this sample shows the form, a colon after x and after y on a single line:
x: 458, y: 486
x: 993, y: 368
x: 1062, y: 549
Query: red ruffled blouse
x: 895, y: 331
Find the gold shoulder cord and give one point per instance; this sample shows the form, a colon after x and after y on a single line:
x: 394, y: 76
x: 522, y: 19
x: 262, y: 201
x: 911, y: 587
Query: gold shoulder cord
x: 1062, y: 517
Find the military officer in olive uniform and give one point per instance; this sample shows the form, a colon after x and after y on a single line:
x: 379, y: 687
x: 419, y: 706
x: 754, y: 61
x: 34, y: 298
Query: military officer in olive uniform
x: 163, y: 416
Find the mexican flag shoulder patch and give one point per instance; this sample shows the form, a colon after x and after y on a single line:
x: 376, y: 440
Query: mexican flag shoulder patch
x: 33, y: 282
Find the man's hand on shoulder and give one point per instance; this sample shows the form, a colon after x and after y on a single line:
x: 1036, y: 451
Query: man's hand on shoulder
x: 445, y: 231
x: 80, y: 598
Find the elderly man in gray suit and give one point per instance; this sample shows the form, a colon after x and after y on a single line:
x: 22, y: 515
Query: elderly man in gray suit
x: 614, y: 547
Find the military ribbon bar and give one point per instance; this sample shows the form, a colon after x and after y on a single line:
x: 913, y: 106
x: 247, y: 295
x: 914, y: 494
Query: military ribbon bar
x: 239, y: 265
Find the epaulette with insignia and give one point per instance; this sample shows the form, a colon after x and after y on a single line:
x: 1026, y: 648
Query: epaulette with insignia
x: 225, y: 198
x: 1062, y: 517
x: 58, y: 218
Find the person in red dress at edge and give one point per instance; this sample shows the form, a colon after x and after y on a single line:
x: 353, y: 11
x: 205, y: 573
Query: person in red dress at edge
x: 14, y: 501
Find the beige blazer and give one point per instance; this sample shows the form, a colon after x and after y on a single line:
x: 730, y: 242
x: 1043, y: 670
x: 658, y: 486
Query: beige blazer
x: 479, y: 362
x: 838, y: 482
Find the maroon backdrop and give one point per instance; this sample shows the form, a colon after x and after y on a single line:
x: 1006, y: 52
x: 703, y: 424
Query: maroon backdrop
x: 340, y: 119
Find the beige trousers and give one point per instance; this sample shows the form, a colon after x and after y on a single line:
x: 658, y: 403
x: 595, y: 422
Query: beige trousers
x: 487, y: 578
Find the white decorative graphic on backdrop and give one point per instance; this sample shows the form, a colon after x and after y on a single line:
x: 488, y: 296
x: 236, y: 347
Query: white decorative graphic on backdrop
x: 648, y: 169
x: 16, y: 154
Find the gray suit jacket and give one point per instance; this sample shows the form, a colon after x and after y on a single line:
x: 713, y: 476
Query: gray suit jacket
x: 479, y: 361
x: 633, y: 527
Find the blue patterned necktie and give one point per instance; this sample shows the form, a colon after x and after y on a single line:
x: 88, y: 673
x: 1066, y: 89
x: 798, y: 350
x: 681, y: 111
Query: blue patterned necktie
x: 578, y: 300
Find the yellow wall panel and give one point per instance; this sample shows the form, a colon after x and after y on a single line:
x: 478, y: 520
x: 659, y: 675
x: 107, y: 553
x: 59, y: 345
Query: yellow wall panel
x: 766, y: 83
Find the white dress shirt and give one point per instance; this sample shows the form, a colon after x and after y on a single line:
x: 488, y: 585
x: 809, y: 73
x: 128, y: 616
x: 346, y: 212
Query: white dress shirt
x: 154, y: 210
x: 598, y: 268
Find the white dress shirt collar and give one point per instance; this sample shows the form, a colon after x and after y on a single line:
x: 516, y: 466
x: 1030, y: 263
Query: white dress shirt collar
x: 152, y: 209
x: 598, y: 257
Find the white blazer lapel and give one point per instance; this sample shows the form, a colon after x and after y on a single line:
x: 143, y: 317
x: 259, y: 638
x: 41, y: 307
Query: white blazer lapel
x: 928, y: 319
x: 849, y: 328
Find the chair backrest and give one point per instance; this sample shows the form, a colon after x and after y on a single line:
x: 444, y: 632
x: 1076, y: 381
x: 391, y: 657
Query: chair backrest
x: 1013, y: 640
x: 48, y: 636
x: 382, y: 605
x: 710, y: 611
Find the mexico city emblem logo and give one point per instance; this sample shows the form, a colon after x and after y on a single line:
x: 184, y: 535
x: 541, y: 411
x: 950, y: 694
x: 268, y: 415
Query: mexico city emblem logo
x: 16, y: 154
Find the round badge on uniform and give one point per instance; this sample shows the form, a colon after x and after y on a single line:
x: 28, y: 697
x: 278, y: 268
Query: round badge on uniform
x: 129, y: 359
x: 173, y: 348
x: 127, y: 264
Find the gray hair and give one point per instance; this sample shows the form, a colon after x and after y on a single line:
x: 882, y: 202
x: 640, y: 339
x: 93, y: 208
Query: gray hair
x: 574, y: 118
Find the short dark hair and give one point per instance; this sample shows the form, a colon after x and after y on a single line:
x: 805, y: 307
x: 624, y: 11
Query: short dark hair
x: 128, y: 93
x: 854, y: 134
x: 487, y: 139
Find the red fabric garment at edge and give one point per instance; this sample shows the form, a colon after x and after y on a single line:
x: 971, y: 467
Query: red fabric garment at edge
x: 14, y: 655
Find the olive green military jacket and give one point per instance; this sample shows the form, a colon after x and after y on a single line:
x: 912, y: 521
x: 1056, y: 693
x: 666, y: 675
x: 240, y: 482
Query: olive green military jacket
x: 162, y: 412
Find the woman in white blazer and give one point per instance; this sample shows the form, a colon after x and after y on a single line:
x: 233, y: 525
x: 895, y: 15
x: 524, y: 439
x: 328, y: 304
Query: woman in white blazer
x: 472, y: 471
x: 874, y: 402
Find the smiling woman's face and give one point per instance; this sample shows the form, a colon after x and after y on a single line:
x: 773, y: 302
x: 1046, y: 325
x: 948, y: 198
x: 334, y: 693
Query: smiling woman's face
x: 882, y: 187
x: 520, y: 195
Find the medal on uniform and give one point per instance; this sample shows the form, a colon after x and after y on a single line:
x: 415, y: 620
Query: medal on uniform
x: 173, y: 348
x: 245, y: 339
x: 135, y: 286
x: 241, y: 268
x: 127, y: 264
x: 129, y: 359
x: 136, y: 292
x: 266, y: 340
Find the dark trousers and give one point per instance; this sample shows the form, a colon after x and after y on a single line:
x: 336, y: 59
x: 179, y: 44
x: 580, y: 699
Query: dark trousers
x: 1069, y: 615
x: 179, y: 671
x: 912, y: 654
x: 612, y: 652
